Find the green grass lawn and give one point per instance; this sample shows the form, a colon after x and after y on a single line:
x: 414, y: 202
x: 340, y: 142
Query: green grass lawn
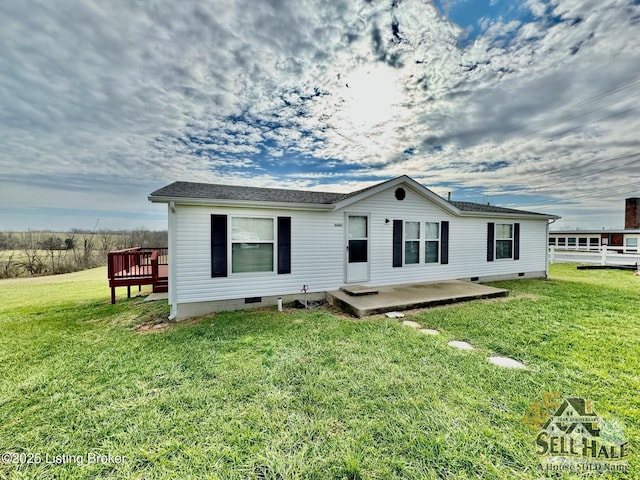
x: 268, y: 395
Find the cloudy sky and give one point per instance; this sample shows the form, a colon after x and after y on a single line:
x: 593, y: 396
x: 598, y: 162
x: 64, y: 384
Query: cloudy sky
x: 529, y: 104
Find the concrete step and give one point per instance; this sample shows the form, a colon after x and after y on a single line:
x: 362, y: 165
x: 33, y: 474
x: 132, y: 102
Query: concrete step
x: 359, y: 290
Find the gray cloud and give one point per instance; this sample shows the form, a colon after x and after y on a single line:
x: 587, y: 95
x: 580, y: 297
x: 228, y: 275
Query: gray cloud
x: 96, y: 94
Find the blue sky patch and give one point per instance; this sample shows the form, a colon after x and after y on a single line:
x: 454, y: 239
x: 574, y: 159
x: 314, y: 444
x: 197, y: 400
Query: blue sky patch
x: 474, y: 16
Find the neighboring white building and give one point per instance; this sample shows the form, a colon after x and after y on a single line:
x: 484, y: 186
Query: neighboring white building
x: 235, y: 247
x: 625, y: 240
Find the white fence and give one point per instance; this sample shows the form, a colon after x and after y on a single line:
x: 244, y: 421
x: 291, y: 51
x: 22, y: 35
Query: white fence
x: 606, y: 256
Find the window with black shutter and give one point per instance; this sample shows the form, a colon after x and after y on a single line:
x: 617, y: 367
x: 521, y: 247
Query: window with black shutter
x: 284, y: 245
x: 219, y: 245
x: 252, y: 245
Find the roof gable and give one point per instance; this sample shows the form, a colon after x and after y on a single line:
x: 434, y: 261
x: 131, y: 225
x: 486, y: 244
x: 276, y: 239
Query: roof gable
x: 396, y: 182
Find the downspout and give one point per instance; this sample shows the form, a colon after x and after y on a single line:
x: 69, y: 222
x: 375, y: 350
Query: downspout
x: 171, y: 234
x: 546, y: 256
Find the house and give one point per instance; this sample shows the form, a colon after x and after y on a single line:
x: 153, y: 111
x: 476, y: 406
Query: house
x: 575, y: 416
x: 234, y: 247
x: 625, y: 240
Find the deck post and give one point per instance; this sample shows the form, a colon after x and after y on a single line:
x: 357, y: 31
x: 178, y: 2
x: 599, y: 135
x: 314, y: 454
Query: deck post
x: 113, y: 295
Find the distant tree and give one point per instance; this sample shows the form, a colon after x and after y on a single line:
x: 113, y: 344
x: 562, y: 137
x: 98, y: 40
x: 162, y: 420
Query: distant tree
x: 53, y: 245
x: 8, y: 267
x: 31, y: 260
x: 8, y: 241
x: 105, y: 237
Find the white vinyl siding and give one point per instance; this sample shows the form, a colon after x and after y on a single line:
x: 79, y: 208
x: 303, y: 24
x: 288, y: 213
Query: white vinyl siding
x: 318, y: 248
x: 467, y: 242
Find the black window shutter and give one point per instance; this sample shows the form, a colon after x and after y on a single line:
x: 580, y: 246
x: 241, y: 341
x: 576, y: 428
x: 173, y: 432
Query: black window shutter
x: 218, y: 245
x: 444, y: 243
x: 284, y: 245
x: 516, y: 241
x: 397, y: 243
x: 491, y: 235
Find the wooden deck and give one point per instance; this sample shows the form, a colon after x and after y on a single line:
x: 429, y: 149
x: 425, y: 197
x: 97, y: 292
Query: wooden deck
x: 138, y: 266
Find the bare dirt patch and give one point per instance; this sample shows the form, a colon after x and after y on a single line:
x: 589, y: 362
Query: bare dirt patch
x: 160, y: 323
x: 151, y: 327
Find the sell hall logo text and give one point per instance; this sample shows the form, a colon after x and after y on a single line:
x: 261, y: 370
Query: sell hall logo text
x: 575, y: 438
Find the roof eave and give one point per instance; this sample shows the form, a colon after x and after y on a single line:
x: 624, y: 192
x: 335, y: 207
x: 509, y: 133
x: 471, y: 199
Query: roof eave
x: 211, y: 202
x: 529, y: 216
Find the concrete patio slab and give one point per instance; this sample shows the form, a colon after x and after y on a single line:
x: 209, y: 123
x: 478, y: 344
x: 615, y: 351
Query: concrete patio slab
x: 412, y: 296
x: 154, y: 297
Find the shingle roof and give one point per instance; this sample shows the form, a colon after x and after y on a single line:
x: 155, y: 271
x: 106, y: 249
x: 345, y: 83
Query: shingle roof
x: 482, y: 208
x: 207, y: 191
x: 255, y: 194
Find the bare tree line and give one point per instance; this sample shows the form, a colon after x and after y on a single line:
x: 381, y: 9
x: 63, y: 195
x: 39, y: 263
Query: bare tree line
x: 34, y: 253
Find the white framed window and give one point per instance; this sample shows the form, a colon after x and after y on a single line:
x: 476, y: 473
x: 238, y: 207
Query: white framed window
x: 571, y: 242
x: 411, y: 243
x: 594, y: 243
x: 562, y: 241
x: 252, y: 244
x: 582, y: 242
x: 504, y: 240
x: 631, y: 244
x: 420, y: 243
x: 432, y: 242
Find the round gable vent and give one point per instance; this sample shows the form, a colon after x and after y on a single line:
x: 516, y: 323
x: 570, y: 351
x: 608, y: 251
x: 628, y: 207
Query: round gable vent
x: 400, y: 193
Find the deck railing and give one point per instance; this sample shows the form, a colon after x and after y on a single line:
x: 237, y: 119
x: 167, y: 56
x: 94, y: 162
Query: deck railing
x: 136, y: 266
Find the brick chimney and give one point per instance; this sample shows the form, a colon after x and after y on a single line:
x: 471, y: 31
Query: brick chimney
x: 632, y: 213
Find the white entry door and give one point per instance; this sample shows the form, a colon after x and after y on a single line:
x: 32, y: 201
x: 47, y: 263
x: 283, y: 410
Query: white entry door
x: 357, y: 249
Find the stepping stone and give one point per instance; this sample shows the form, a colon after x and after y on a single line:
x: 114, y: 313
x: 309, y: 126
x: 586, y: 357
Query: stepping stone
x: 506, y: 362
x: 409, y: 323
x: 461, y: 345
x: 429, y: 331
x: 394, y: 314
